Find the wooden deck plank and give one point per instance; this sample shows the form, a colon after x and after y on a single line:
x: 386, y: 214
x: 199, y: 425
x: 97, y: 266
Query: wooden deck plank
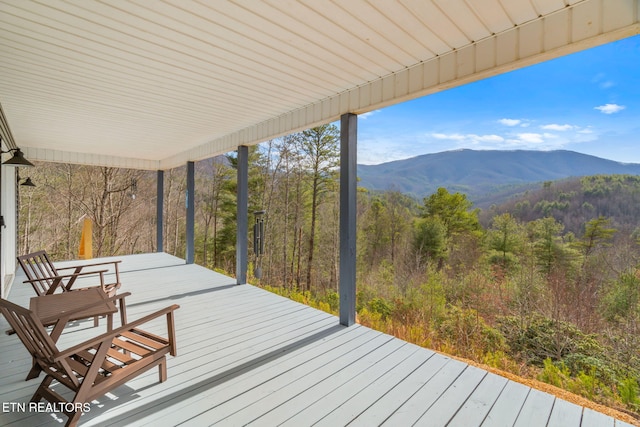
x: 298, y: 400
x: 320, y: 405
x: 389, y: 403
x: 507, y: 407
x: 413, y: 409
x: 565, y: 414
x: 475, y: 409
x: 195, y: 378
x: 247, y: 355
x: 240, y: 411
x: 217, y: 390
x: 591, y: 418
x: 535, y: 410
x: 448, y: 404
x: 351, y: 408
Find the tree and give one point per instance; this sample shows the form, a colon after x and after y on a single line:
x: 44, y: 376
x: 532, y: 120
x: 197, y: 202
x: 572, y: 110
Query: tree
x: 547, y: 243
x: 51, y: 213
x: 506, y: 238
x: 108, y: 197
x: 596, y: 234
x: 430, y: 239
x: 215, y: 174
x: 398, y: 211
x: 320, y: 148
x: 453, y: 211
x: 592, y: 275
x: 284, y: 211
x: 446, y: 218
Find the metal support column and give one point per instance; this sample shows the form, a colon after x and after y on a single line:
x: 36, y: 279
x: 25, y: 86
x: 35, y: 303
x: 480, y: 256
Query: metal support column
x: 348, y: 188
x: 160, y: 211
x: 242, y: 215
x: 191, y: 212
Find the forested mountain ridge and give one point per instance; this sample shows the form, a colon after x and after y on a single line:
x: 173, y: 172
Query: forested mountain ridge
x: 477, y: 173
x: 573, y: 202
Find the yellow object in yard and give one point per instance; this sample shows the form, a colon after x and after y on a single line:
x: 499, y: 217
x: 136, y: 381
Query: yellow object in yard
x: 86, y: 240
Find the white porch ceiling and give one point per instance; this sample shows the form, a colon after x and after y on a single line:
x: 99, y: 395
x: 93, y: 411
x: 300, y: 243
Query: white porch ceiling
x: 152, y: 84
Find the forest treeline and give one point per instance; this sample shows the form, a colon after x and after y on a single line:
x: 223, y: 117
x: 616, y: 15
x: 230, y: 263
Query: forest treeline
x: 546, y: 286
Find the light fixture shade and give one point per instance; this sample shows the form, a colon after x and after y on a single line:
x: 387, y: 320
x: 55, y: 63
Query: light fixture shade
x: 28, y: 183
x: 18, y: 159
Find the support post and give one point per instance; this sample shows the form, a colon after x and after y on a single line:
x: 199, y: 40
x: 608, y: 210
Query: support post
x: 160, y: 211
x: 242, y: 215
x: 191, y: 212
x: 348, y: 188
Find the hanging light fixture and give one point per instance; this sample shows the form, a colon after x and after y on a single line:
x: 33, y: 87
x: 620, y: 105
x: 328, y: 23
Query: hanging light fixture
x: 17, y: 159
x: 27, y: 182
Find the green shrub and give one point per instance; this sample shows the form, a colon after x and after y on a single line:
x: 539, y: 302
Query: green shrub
x: 469, y: 334
x: 600, y: 368
x: 537, y: 338
x: 628, y: 390
x: 381, y: 306
x: 333, y: 299
x: 501, y: 360
x: 554, y: 374
x: 587, y: 385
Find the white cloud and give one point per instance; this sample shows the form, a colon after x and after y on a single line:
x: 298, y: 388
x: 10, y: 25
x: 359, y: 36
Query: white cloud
x: 380, y: 147
x: 557, y: 127
x: 523, y: 140
x: 510, y: 122
x: 449, y: 136
x: 368, y: 114
x: 469, y: 138
x: 386, y: 148
x: 536, y: 140
x: 601, y: 80
x: 489, y: 138
x: 530, y: 138
x: 610, y: 108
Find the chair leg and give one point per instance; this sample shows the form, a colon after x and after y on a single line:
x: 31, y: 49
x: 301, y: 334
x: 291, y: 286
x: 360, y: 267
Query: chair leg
x: 162, y: 370
x: 123, y: 312
x: 35, y: 370
x: 44, y: 385
x: 74, y: 417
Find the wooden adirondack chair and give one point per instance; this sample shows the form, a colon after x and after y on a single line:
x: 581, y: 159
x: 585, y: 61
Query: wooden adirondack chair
x: 46, y: 278
x: 96, y: 366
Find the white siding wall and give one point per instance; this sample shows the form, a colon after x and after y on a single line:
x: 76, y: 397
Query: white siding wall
x: 8, y: 233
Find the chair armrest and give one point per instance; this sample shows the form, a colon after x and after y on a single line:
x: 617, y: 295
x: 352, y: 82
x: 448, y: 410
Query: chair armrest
x: 78, y: 268
x: 57, y: 280
x: 168, y: 311
x: 65, y: 276
x: 70, y: 313
x: 81, y: 266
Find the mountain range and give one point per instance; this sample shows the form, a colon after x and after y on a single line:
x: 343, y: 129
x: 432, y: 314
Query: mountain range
x: 484, y: 175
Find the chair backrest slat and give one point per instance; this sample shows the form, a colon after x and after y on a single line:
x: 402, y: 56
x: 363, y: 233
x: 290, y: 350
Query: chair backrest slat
x: 30, y: 331
x: 38, y: 267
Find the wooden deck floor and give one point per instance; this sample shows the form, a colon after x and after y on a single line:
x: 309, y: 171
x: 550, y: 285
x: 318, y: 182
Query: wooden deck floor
x: 246, y: 356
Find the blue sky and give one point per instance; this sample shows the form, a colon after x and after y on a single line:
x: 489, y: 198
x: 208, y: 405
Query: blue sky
x: 587, y: 102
